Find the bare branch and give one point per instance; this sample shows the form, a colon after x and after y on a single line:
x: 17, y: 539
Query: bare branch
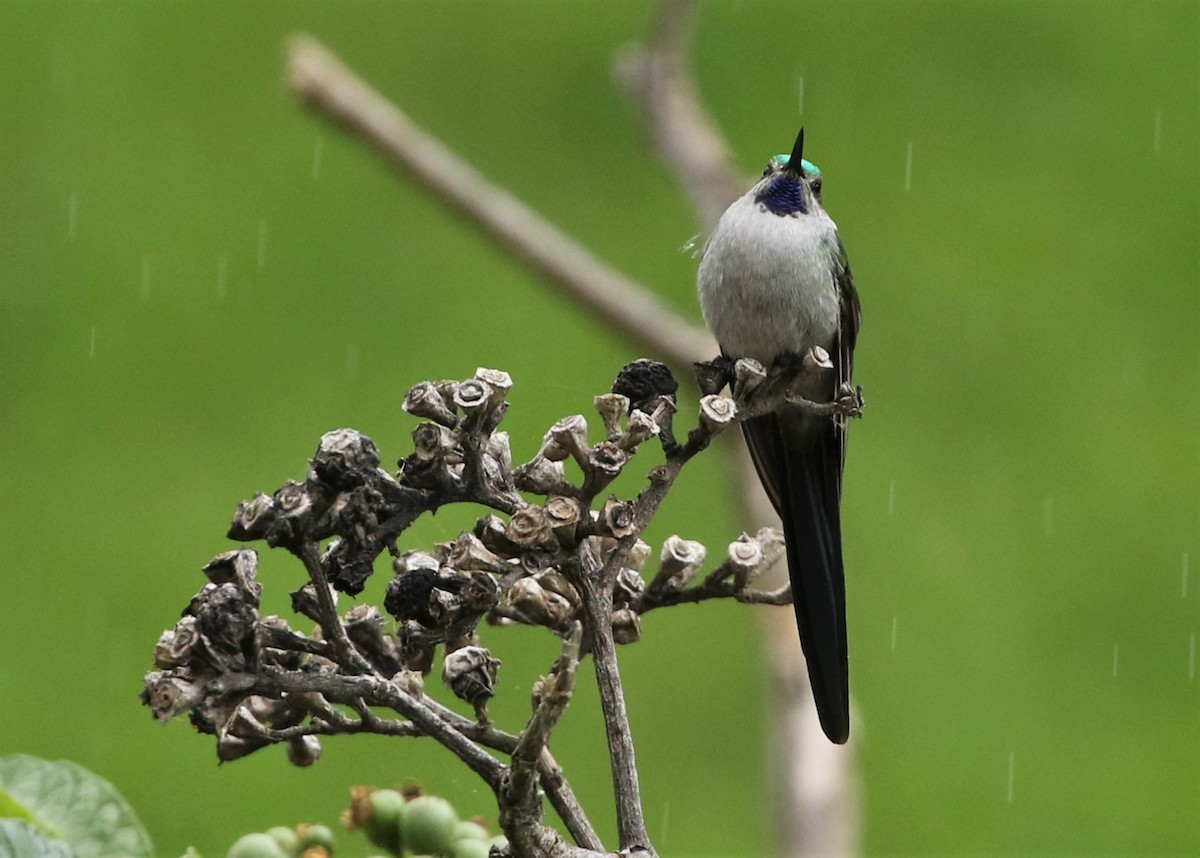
x: 329, y: 87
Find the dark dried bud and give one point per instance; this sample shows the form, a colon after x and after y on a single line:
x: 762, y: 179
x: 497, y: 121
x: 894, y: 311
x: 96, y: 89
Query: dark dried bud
x: 364, y: 627
x: 226, y: 619
x: 748, y: 374
x: 253, y: 518
x: 530, y: 527
x: 470, y: 672
x: 345, y: 458
x: 408, y: 596
x: 618, y: 518
x: 305, y: 602
x: 567, y: 437
x: 499, y: 449
x: 678, y: 563
x: 493, y: 533
x: 425, y: 400
x: 643, y: 381
x: 303, y: 751
x: 231, y: 747
x: 717, y: 413
x: 627, y: 626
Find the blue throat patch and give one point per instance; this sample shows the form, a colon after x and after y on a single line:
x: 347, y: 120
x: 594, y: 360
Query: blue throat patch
x: 784, y: 196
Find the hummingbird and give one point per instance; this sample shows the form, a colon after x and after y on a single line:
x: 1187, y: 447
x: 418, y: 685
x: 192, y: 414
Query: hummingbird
x: 775, y: 285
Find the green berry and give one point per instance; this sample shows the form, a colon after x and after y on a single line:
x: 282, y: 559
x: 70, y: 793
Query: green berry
x: 428, y: 825
x: 287, y: 838
x: 385, y: 826
x: 255, y: 846
x: 466, y: 830
x: 312, y: 836
x: 498, y: 842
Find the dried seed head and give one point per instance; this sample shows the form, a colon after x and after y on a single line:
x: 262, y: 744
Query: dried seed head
x: 678, y: 562
x: 638, y: 554
x: 468, y: 553
x: 537, y: 604
x: 717, y: 413
x: 303, y: 751
x: 641, y: 427
x: 555, y: 582
x: 425, y: 400
x: 748, y: 374
x: 606, y: 460
x: 498, y: 380
x: 628, y: 589
x: 627, y: 626
x: 431, y: 441
x: 410, y: 560
x: 304, y: 601
x: 175, y: 646
x: 541, y: 476
x: 563, y: 514
x: 253, y: 518
x: 530, y: 527
x: 411, y: 682
x: 569, y: 436
x: 611, y: 407
x: 643, y: 381
x: 745, y: 559
x: 470, y: 672
x: 345, y: 458
x: 239, y: 567
x: 499, y: 448
x: 474, y: 396
x: 618, y: 518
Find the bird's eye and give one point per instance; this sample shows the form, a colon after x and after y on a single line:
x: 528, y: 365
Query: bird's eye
x: 816, y: 184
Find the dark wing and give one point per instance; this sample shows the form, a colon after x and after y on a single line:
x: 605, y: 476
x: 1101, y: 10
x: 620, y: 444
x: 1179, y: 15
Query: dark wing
x: 849, y: 321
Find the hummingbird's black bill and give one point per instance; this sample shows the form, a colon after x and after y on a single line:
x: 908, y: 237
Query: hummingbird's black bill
x: 796, y: 159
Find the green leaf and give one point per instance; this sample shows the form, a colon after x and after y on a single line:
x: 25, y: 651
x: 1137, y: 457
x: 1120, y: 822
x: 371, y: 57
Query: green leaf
x: 69, y: 803
x: 24, y: 841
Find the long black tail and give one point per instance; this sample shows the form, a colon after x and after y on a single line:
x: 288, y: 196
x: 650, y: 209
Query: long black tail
x: 800, y: 469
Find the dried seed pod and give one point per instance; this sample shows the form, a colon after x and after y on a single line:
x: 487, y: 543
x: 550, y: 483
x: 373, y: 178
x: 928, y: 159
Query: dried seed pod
x: 536, y: 604
x: 627, y: 626
x: 473, y: 396
x: 304, y: 601
x: 611, y: 407
x: 678, y: 562
x: 555, y: 582
x: 712, y: 375
x: 641, y: 427
x: 303, y: 751
x: 717, y: 413
x: 605, y: 461
x: 638, y: 554
x: 745, y: 559
x: 499, y: 448
x: 410, y: 560
x: 498, y: 380
x: 431, y: 441
x: 470, y: 672
x: 411, y: 682
x: 345, y: 458
x: 563, y: 514
x: 493, y: 533
x: 176, y: 646
x: 468, y: 553
x: 568, y: 435
x: 816, y: 360
x: 253, y: 519
x: 541, y: 476
x: 749, y: 374
x: 239, y: 567
x: 530, y: 527
x: 618, y: 518
x: 425, y: 400
x: 629, y: 587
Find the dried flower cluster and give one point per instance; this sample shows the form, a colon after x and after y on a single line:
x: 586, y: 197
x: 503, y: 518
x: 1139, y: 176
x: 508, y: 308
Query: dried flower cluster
x: 571, y: 560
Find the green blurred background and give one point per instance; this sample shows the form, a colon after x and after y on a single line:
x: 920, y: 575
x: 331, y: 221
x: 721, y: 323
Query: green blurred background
x: 197, y: 279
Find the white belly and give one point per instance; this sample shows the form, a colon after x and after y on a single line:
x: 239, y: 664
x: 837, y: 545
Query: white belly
x: 766, y: 282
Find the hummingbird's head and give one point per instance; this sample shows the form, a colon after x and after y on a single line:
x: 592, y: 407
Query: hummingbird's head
x: 789, y: 183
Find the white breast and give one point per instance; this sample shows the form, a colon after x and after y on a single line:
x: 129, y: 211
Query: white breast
x: 766, y: 281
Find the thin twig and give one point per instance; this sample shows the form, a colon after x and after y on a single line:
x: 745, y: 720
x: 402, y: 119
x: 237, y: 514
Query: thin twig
x: 328, y: 86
